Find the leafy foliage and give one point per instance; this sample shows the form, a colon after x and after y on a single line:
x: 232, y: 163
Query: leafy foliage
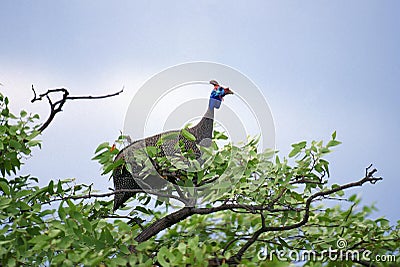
x: 16, y: 139
x: 259, y: 202
x: 106, y: 154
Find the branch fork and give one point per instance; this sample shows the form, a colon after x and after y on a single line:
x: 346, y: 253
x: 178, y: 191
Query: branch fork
x: 56, y: 107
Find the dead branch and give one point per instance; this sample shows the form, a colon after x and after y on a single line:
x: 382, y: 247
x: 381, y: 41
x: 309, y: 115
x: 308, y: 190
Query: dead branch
x: 56, y: 107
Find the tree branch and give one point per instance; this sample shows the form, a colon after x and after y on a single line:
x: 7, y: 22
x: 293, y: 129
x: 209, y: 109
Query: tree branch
x: 369, y: 177
x: 113, y: 193
x: 95, y: 97
x: 56, y: 107
x: 183, y: 213
x: 186, y: 212
x: 274, y: 201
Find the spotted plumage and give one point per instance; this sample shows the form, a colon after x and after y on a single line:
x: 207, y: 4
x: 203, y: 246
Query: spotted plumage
x: 132, y: 179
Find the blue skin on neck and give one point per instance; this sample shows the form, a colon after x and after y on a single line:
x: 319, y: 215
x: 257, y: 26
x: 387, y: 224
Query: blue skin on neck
x: 216, y: 97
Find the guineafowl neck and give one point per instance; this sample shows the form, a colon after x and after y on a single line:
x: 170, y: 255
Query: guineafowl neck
x: 204, y: 129
x: 209, y: 114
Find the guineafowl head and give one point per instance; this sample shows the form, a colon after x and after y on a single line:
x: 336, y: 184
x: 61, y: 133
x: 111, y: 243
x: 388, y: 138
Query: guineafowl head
x: 218, y: 94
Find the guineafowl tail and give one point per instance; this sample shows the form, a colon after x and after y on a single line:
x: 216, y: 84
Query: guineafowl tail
x: 123, y: 180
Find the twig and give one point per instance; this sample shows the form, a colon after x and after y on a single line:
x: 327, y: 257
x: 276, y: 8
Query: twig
x: 347, y: 217
x: 207, y: 181
x: 275, y: 200
x: 131, y: 219
x: 152, y: 192
x: 56, y: 107
x: 230, y: 243
x: 95, y: 97
x: 305, y: 181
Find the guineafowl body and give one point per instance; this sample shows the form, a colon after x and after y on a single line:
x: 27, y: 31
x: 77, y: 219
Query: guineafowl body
x: 202, y: 131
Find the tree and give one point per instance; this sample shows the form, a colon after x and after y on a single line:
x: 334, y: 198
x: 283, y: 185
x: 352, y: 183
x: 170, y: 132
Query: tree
x: 267, y: 211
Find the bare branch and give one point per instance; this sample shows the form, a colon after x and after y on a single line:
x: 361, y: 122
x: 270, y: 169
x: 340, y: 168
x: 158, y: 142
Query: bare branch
x: 95, y: 97
x: 56, y: 107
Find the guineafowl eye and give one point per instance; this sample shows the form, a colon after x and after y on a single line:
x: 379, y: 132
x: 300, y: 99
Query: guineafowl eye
x: 133, y: 178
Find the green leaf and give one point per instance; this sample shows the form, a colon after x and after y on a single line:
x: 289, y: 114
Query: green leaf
x: 5, y: 112
x: 23, y: 113
x: 108, y: 167
x: 4, y: 186
x: 15, y: 144
x: 168, y: 137
x: 108, y: 237
x: 325, y: 150
x: 59, y: 187
x: 353, y: 198
x: 33, y: 135
x: 119, y: 261
x: 300, y: 145
x: 102, y: 146
x: 283, y: 242
x: 333, y: 143
x: 54, y: 232
x: 383, y: 222
x: 188, y: 135
x: 50, y: 187
x: 340, y: 193
x: 23, y: 206
x: 124, y: 249
x: 142, y: 209
x: 334, y: 186
x: 220, y: 136
x: 334, y: 135
x: 163, y: 255
x: 182, y: 248
x: 46, y: 212
x: 5, y: 202
x: 61, y: 212
x: 151, y: 151
x: 295, y: 151
x: 193, y: 243
x: 34, y: 143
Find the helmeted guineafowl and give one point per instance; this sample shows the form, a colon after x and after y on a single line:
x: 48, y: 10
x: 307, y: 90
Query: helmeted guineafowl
x: 202, y: 131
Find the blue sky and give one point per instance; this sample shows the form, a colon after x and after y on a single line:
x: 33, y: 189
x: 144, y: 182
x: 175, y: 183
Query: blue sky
x: 323, y: 66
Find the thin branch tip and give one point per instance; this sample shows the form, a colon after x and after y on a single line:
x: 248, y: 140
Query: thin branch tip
x: 34, y: 94
x: 367, y: 169
x: 56, y: 107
